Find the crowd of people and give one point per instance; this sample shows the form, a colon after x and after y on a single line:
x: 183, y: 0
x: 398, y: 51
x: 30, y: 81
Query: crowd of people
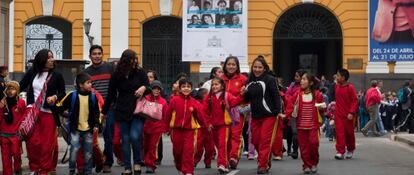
x: 230, y: 115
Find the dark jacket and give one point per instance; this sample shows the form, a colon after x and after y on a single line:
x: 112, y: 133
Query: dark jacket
x: 122, y: 90
x: 55, y: 86
x: 264, y: 97
x: 66, y: 104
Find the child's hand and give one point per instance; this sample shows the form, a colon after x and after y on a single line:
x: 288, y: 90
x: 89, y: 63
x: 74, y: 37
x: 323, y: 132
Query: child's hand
x: 243, y: 90
x: 350, y: 117
x: 282, y: 115
x: 210, y: 127
x: 51, y: 100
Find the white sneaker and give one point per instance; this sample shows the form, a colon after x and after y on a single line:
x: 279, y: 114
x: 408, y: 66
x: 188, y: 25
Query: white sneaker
x: 349, y: 155
x: 245, y: 153
x: 307, y: 171
x: 222, y: 170
x: 314, y: 169
x: 339, y: 156
x: 277, y: 158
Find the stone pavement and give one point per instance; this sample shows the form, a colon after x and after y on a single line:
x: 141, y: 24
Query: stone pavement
x: 404, y: 138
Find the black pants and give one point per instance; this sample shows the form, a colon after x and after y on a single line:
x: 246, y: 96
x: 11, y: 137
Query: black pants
x: 246, y: 137
x: 292, y: 137
x: 159, y: 150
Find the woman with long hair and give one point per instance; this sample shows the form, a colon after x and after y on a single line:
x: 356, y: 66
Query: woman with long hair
x: 234, y: 83
x: 42, y: 145
x: 128, y: 83
x: 264, y: 97
x: 215, y: 72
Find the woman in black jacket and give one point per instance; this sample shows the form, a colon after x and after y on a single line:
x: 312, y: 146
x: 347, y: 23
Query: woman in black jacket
x: 42, y: 145
x: 127, y: 83
x: 263, y: 94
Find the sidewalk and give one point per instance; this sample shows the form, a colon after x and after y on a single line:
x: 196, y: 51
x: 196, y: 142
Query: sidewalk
x: 403, y: 138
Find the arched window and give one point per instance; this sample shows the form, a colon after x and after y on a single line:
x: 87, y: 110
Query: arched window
x: 50, y: 33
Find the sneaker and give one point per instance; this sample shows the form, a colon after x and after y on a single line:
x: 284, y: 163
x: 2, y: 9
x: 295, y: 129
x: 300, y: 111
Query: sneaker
x: 157, y: 162
x: 277, y: 158
x: 106, y: 169
x: 33, y: 173
x: 222, y: 170
x: 339, y: 156
x: 149, y: 170
x: 233, y: 163
x: 18, y: 173
x: 245, y: 153
x: 307, y: 171
x: 314, y: 169
x: 294, y: 155
x: 263, y: 171
x: 98, y: 168
x: 349, y: 155
x: 251, y: 157
x: 364, y: 132
x: 208, y: 166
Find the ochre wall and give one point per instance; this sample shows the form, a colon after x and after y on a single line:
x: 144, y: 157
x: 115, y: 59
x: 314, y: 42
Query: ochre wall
x: 27, y: 10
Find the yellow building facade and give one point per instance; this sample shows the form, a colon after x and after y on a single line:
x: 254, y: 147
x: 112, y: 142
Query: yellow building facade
x: 120, y: 25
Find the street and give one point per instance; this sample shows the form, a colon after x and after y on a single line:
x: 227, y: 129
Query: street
x: 374, y: 156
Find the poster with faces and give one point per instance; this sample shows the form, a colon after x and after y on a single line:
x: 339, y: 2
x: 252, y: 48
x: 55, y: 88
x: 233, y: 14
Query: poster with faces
x: 214, y: 29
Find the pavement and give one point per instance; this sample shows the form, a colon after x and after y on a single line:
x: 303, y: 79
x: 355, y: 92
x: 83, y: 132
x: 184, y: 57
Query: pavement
x: 404, y: 138
x: 374, y: 156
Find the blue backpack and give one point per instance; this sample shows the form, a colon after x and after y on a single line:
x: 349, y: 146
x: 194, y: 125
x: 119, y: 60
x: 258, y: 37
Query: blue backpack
x: 402, y: 96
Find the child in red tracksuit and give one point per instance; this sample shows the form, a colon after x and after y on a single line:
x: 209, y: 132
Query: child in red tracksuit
x: 204, y: 138
x: 184, y: 116
x: 11, y: 115
x: 153, y: 129
x: 308, y: 102
x: 218, y: 102
x: 277, y: 147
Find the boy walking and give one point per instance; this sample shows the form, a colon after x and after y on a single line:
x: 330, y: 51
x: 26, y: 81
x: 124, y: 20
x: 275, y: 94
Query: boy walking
x: 83, y: 118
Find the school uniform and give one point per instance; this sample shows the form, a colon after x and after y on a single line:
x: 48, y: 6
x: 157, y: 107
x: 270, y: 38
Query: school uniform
x: 205, y: 143
x: 277, y: 147
x: 184, y: 118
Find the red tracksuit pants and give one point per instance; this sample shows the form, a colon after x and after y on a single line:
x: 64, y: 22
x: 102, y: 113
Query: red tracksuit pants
x: 116, y: 141
x: 308, y: 140
x: 151, y: 141
x: 237, y: 139
x: 345, y: 135
x: 263, y: 133
x: 42, y: 146
x: 184, y: 144
x: 11, y: 151
x: 277, y: 147
x: 98, y: 156
x: 204, y: 142
x: 221, y: 137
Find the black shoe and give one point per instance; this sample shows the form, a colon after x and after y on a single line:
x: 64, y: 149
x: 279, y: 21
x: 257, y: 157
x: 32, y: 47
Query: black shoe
x: 18, y: 173
x: 150, y: 171
x: 72, y: 172
x: 98, y: 168
x: 262, y: 171
x: 294, y: 155
x: 158, y: 162
x: 208, y: 166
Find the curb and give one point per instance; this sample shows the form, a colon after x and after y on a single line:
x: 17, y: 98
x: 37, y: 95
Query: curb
x: 400, y: 139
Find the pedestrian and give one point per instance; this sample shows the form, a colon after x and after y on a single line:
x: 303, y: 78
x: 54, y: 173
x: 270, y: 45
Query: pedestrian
x: 372, y: 101
x: 4, y: 72
x: 126, y: 85
x: 153, y: 129
x: 404, y: 95
x: 234, y: 81
x: 83, y: 120
x: 205, y: 141
x: 264, y: 97
x: 217, y: 104
x: 291, y: 133
x: 100, y: 72
x: 307, y: 107
x: 362, y: 110
x: 42, y: 145
x: 12, y: 109
x: 346, y: 105
x: 184, y: 117
x: 277, y: 147
x: 215, y: 72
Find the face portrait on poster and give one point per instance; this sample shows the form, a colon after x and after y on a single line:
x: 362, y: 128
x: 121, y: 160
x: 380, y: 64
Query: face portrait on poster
x: 214, y: 29
x: 391, y: 30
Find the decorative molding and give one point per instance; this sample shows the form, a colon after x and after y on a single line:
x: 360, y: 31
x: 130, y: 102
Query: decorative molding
x: 166, y: 7
x: 308, y: 1
x: 403, y: 67
x: 377, y: 67
x: 47, y: 7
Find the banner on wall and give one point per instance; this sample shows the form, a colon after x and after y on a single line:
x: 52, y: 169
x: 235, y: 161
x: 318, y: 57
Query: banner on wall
x: 391, y: 30
x: 214, y: 30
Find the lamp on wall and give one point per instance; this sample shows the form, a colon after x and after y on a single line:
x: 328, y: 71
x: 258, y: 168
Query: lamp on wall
x: 87, y: 26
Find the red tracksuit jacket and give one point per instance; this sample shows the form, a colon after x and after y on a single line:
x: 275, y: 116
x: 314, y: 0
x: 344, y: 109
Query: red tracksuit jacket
x: 346, y: 100
x: 372, y: 97
x: 156, y: 126
x: 234, y: 84
x: 18, y: 112
x: 214, y: 108
x: 185, y: 113
x: 318, y: 98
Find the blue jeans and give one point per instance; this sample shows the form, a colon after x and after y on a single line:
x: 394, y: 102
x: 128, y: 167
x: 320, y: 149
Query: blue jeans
x: 108, y: 135
x: 329, y: 130
x: 131, y: 134
x: 380, y: 126
x: 78, y: 139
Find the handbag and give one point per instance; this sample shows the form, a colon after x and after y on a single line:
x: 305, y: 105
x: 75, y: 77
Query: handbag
x: 148, y: 109
x: 31, y: 115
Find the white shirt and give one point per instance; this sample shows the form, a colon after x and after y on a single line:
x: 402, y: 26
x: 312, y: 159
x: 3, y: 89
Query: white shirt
x: 37, y: 84
x: 207, y: 85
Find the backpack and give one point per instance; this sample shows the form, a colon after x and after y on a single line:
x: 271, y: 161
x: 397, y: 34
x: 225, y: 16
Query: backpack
x: 402, y: 96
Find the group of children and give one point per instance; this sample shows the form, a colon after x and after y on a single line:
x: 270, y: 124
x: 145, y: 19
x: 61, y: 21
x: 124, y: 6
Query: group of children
x: 194, y: 124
